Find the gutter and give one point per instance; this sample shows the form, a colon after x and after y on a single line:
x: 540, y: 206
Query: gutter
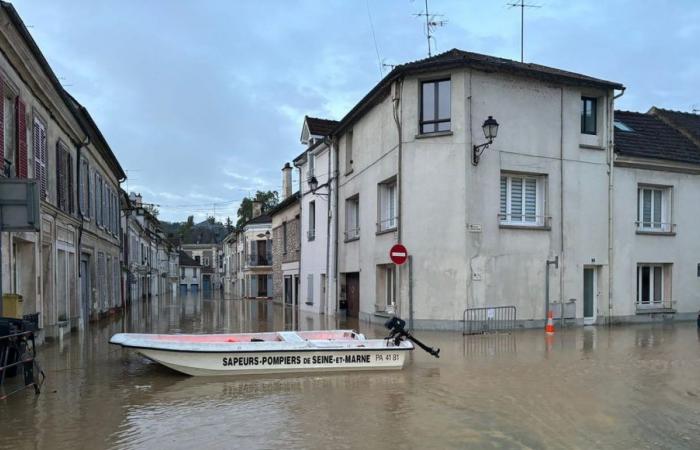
x: 78, y: 151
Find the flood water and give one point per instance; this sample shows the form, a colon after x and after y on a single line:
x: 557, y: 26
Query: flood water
x: 625, y: 387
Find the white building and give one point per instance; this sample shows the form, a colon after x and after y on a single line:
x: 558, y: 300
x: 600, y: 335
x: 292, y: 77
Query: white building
x: 211, y: 258
x: 656, y: 234
x: 318, y: 231
x: 479, y: 229
x: 190, y: 274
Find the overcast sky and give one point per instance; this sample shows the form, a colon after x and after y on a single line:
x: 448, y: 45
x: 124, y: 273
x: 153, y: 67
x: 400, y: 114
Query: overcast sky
x: 203, y: 101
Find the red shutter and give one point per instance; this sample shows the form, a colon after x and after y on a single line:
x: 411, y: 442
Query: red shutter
x: 21, y: 139
x: 2, y: 124
x: 45, y: 162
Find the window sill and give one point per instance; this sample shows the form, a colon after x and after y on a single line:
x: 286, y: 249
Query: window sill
x: 654, y: 310
x: 656, y: 233
x: 588, y: 133
x: 352, y: 239
x: 591, y: 147
x: 434, y: 134
x: 386, y: 231
x: 508, y: 226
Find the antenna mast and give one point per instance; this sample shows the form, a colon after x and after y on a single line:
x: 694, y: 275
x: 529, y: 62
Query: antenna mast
x: 431, y: 23
x: 522, y: 5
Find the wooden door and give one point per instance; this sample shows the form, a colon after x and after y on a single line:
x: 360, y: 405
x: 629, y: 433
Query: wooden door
x: 352, y: 289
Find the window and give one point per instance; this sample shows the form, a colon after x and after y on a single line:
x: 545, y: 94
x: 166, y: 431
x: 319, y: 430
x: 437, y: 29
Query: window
x: 653, y: 284
x: 390, y: 285
x: 206, y: 261
x: 589, y: 112
x: 435, y: 106
x: 284, y: 237
x: 64, y: 179
x: 84, y: 188
x: 348, y: 152
x: 653, y: 211
x: 310, y: 289
x: 312, y: 165
x: 40, y: 150
x: 352, y: 218
x: 522, y: 200
x: 388, y: 218
x: 312, y: 221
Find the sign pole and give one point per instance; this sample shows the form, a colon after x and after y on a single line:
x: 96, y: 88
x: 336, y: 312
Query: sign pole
x: 410, y: 292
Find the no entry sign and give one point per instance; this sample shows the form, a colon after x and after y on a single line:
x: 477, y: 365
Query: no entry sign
x: 398, y: 254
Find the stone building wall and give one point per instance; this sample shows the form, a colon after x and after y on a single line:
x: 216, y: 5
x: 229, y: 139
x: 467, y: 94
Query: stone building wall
x: 279, y: 257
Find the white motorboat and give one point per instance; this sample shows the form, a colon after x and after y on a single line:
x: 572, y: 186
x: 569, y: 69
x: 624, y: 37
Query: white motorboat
x: 261, y: 353
x: 280, y: 352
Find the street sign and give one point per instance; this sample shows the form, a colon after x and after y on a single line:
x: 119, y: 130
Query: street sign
x: 398, y: 254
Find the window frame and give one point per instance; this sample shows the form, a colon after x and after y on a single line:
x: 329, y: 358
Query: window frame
x: 652, y: 303
x: 389, y: 286
x: 384, y: 222
x: 666, y: 223
x: 352, y: 230
x: 311, y: 233
x: 506, y: 219
x: 436, y: 107
x: 594, y: 111
x: 349, y: 162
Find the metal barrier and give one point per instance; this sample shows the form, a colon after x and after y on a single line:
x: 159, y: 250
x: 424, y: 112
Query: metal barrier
x: 16, y: 352
x: 488, y: 320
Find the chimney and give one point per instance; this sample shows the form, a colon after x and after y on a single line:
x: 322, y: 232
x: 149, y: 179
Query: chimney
x: 139, y: 200
x: 257, y: 208
x: 286, y: 181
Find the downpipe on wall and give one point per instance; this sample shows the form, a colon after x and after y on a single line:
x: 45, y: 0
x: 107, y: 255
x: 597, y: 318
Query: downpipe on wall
x: 611, y: 161
x: 554, y: 262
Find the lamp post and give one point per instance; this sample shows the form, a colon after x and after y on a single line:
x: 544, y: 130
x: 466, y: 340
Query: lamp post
x: 313, y: 186
x: 490, y: 128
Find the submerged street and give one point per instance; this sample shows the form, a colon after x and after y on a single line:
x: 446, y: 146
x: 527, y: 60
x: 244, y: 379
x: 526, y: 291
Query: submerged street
x: 625, y: 387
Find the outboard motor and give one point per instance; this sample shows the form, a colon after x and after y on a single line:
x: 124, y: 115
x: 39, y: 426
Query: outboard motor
x: 398, y: 333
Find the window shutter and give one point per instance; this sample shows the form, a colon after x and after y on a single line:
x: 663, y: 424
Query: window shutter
x: 530, y: 200
x: 254, y: 286
x: 70, y: 185
x: 504, y: 198
x: 20, y: 108
x: 516, y: 199
x: 36, y: 151
x: 657, y: 208
x: 2, y: 124
x: 310, y: 288
x: 646, y: 207
x: 59, y: 176
x: 269, y: 285
x: 43, y: 144
x: 254, y: 251
x: 268, y: 251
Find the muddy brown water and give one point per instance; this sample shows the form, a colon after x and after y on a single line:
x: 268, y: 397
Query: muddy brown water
x: 625, y: 387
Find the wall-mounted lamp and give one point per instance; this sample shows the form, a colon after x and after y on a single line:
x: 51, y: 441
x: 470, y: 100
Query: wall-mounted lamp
x: 313, y: 186
x: 490, y: 128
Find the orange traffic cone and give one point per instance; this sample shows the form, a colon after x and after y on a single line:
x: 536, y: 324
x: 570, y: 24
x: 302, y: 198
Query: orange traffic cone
x: 549, y: 329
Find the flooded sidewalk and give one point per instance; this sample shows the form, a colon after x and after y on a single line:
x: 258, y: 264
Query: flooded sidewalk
x: 623, y: 387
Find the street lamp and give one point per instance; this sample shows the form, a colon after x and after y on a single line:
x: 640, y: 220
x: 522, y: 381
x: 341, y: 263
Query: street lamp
x: 490, y: 128
x: 313, y: 186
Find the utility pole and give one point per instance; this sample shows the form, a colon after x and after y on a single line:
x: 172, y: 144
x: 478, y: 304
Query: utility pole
x: 431, y: 23
x: 522, y: 5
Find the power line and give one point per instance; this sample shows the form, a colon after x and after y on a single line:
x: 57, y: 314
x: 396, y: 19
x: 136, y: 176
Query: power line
x: 374, y: 38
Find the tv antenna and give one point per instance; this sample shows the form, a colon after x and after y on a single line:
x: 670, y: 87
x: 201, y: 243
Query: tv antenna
x: 432, y: 21
x: 387, y: 65
x: 522, y: 5
x: 694, y: 108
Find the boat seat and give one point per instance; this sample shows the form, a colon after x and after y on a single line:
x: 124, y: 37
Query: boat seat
x: 290, y: 336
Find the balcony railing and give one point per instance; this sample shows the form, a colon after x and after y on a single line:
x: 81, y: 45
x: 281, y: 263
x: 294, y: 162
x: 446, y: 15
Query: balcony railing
x: 387, y: 224
x: 525, y: 220
x: 352, y: 234
x: 260, y: 260
x: 644, y: 227
x: 311, y: 235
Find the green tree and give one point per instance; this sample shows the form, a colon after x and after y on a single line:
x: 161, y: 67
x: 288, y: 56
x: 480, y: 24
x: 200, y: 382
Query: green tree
x: 269, y: 200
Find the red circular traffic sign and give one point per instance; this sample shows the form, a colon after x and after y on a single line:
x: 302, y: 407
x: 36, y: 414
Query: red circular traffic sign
x: 398, y: 254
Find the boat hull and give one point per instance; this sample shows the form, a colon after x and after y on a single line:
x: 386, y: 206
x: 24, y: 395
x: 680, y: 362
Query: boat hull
x: 250, y: 363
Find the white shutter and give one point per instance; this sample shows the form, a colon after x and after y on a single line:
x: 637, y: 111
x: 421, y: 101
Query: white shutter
x: 310, y: 288
x: 530, y: 200
x: 516, y: 199
x: 504, y: 198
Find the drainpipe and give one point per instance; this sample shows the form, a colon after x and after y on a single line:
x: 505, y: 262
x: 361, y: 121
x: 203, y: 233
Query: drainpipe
x: 555, y: 263
x: 396, y: 100
x: 78, y: 151
x: 331, y: 176
x: 611, y: 161
x: 336, y: 175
